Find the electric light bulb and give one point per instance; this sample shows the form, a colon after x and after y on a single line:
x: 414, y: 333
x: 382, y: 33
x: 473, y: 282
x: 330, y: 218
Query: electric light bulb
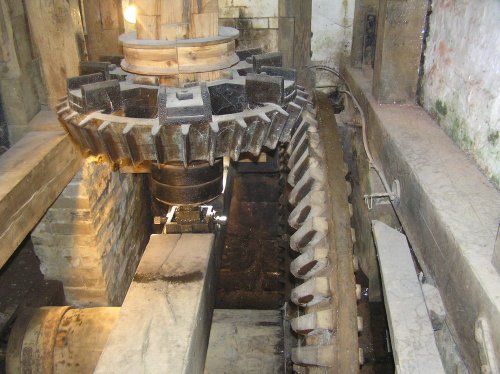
x: 130, y: 14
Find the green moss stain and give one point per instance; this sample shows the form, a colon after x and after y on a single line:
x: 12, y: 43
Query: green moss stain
x: 469, y: 140
x: 441, y: 108
x: 496, y: 180
x: 493, y: 137
x: 457, y: 130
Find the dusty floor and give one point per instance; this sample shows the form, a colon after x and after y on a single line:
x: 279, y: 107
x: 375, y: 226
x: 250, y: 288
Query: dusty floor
x: 245, y: 341
x: 373, y: 339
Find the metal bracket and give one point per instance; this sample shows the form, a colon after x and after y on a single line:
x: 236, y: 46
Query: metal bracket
x: 198, y: 220
x: 394, y: 195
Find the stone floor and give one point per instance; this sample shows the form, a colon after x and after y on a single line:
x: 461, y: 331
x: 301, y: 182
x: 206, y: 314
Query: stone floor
x: 245, y: 341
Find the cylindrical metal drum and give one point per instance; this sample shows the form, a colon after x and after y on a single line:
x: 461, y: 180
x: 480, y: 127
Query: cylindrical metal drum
x: 173, y: 184
x: 59, y: 340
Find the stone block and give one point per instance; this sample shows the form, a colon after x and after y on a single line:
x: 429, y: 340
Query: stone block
x: 227, y: 22
x: 228, y: 11
x: 267, y: 39
x: 75, y: 189
x: 260, y: 23
x: 273, y: 23
x: 57, y: 240
x: 94, y: 234
x: 169, y: 308
x: 86, y: 296
x: 71, y: 203
x: 259, y: 331
x: 257, y: 8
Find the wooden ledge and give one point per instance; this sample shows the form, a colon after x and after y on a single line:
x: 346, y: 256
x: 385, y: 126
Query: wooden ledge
x: 32, y: 174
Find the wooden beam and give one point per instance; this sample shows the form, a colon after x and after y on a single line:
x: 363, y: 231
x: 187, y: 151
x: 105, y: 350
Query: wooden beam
x: 32, y: 174
x: 295, y: 35
x: 174, y: 19
x: 54, y: 36
x: 8, y: 59
x: 362, y: 9
x: 209, y: 6
x: 104, y: 22
x: 204, y: 25
x: 398, y: 50
x: 342, y: 281
x: 407, y: 314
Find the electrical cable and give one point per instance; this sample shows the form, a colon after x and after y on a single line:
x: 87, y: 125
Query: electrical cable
x: 348, y: 92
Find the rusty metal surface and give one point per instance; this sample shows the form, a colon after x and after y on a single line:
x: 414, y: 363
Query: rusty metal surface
x: 136, y: 125
x: 198, y: 183
x: 59, y: 340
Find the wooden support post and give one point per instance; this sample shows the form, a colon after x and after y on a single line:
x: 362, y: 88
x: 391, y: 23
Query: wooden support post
x: 400, y: 33
x: 8, y: 58
x: 174, y: 19
x: 362, y: 9
x: 407, y: 314
x: 209, y: 6
x: 32, y: 174
x: 148, y: 19
x: 204, y: 25
x: 104, y: 21
x: 54, y: 36
x: 295, y: 33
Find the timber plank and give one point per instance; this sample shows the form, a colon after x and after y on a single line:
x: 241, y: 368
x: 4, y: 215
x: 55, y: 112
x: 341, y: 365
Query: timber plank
x: 104, y: 25
x: 54, y: 34
x: 208, y: 6
x: 32, y: 174
x: 205, y: 25
x: 412, y: 336
x: 342, y: 281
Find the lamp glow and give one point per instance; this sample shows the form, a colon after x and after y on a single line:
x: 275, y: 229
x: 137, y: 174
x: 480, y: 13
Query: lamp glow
x: 130, y: 14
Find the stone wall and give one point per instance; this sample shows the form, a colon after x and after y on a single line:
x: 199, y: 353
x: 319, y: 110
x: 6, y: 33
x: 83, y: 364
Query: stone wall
x: 92, y: 237
x: 257, y: 21
x: 332, y: 30
x: 461, y: 83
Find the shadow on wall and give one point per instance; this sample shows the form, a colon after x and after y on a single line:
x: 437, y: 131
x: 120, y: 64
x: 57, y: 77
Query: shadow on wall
x: 4, y: 134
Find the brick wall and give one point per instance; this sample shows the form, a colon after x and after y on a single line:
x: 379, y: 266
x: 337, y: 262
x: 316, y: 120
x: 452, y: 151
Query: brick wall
x: 257, y: 21
x: 92, y: 237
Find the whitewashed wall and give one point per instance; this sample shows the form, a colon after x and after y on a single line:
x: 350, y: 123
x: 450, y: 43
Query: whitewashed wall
x: 461, y: 85
x: 332, y: 30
